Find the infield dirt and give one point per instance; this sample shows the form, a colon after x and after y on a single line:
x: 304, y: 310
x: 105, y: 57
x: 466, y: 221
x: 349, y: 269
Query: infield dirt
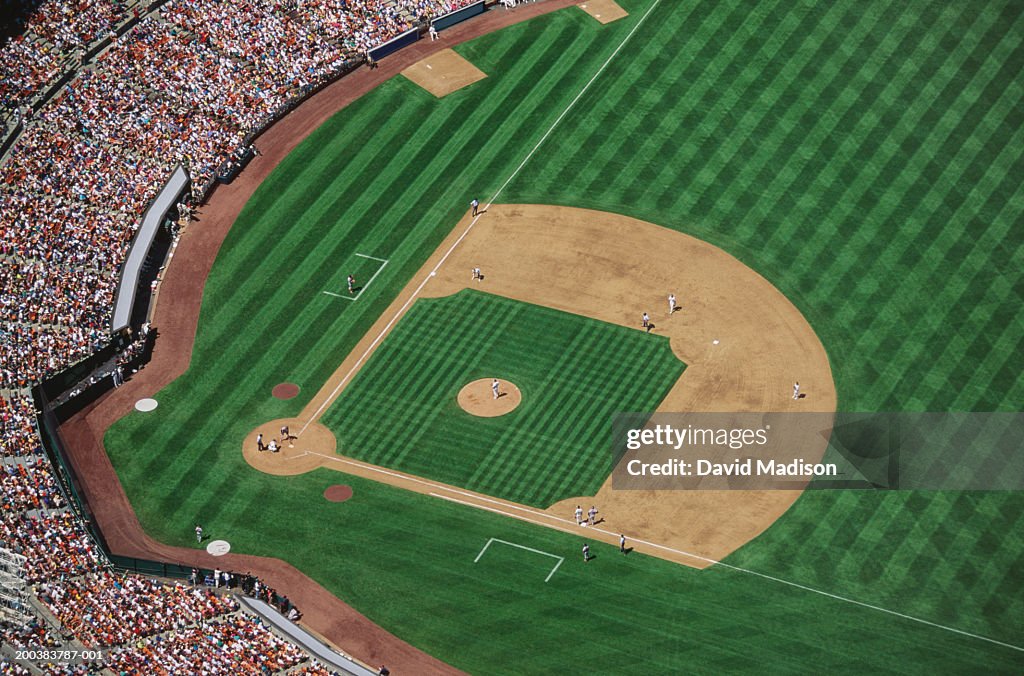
x: 443, y: 73
x: 743, y: 342
x: 176, y: 316
x: 604, y: 11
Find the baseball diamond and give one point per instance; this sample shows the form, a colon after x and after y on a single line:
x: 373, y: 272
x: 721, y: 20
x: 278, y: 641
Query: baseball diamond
x: 829, y: 192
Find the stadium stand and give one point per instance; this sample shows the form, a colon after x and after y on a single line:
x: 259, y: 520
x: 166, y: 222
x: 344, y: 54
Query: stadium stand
x: 102, y: 99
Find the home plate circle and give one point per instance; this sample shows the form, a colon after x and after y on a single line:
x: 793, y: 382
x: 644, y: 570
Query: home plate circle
x: 145, y: 405
x: 218, y: 547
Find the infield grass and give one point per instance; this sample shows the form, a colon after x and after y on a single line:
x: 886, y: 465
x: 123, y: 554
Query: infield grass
x: 865, y: 157
x: 574, y: 374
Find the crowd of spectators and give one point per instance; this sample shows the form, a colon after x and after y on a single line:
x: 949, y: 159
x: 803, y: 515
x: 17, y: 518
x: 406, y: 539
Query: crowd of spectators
x: 55, y: 31
x: 18, y: 435
x: 35, y: 634
x: 55, y: 545
x: 239, y: 644
x: 189, y: 84
x: 29, y: 486
x: 151, y: 626
x: 146, y: 626
x: 104, y: 609
x: 9, y: 668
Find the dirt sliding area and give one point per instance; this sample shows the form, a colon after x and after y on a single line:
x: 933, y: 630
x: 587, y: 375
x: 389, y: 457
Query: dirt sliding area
x: 743, y: 342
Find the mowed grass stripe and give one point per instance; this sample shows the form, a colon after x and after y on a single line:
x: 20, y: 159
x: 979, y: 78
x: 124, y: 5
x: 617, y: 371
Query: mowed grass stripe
x: 318, y: 164
x: 574, y: 162
x: 721, y: 42
x: 553, y: 422
x: 568, y: 382
x: 802, y: 162
x: 417, y: 388
x: 396, y: 383
x: 964, y: 280
x: 566, y: 420
x: 599, y: 397
x: 447, y: 180
x: 551, y: 170
x: 836, y: 112
x: 716, y: 128
x: 633, y: 396
x: 443, y: 380
x: 889, y: 157
x: 903, y: 219
x: 432, y: 153
x: 287, y: 259
x: 512, y: 466
x: 952, y: 143
x: 799, y: 153
x: 405, y: 371
x: 736, y: 118
x: 245, y: 356
x: 868, y: 180
x: 960, y: 249
x: 598, y: 394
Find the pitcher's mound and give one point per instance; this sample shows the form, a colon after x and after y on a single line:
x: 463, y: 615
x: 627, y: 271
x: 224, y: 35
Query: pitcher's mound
x: 478, y: 398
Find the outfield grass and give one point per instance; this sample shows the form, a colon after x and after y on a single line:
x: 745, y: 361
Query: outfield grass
x: 574, y: 374
x: 865, y: 157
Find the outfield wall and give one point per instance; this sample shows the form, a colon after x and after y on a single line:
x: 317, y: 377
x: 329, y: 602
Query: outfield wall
x: 458, y: 16
x: 132, y: 269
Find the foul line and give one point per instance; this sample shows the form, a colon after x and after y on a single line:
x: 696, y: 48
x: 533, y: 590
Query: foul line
x: 561, y: 560
x: 570, y: 527
x: 387, y: 327
x: 764, y: 576
x: 433, y: 272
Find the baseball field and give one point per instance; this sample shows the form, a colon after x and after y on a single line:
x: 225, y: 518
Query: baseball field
x: 864, y: 158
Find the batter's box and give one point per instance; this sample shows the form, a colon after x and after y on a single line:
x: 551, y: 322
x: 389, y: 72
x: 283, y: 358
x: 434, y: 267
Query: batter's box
x: 363, y: 269
x: 443, y: 73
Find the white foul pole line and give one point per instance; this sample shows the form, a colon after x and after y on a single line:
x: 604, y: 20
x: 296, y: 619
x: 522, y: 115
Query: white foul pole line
x: 387, y: 327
